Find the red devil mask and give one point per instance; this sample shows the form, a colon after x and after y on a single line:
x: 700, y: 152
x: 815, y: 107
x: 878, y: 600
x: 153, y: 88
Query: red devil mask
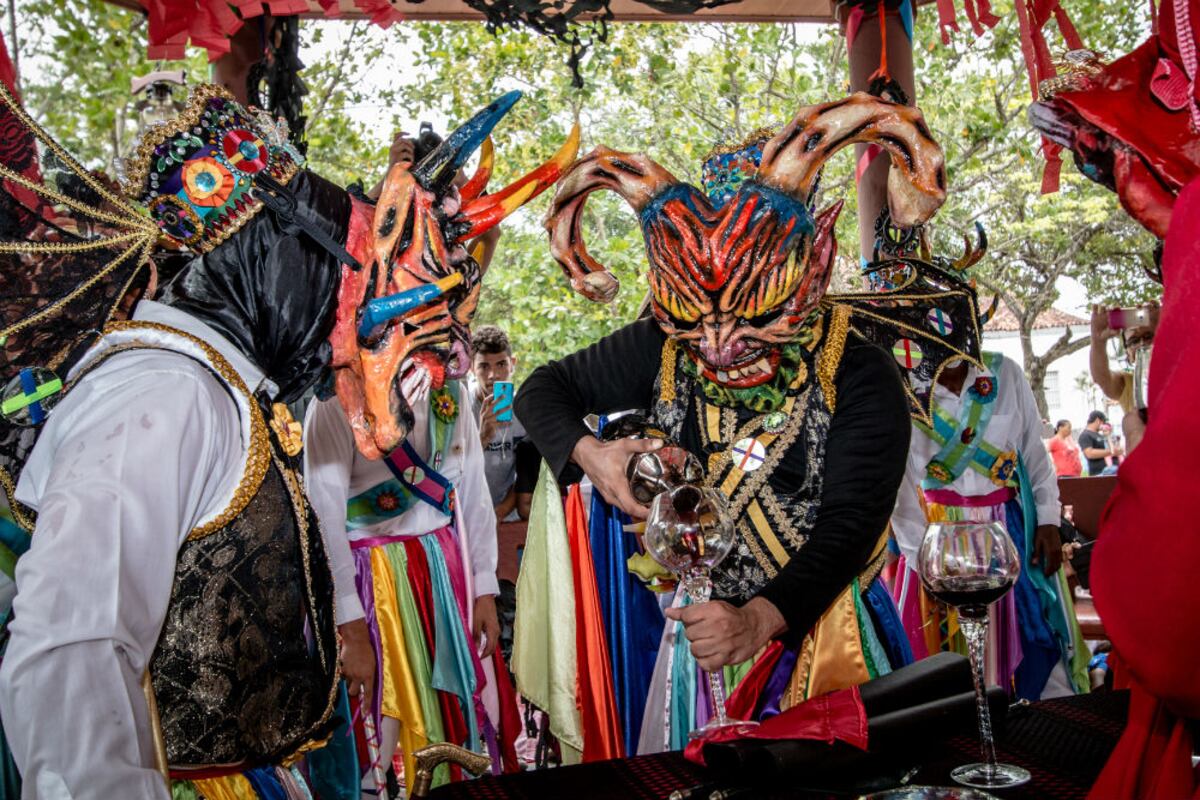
x: 734, y: 281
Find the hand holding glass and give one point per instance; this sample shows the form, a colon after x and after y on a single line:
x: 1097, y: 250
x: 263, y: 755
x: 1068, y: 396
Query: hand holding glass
x: 689, y: 531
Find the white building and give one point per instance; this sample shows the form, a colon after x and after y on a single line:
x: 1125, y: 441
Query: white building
x: 1070, y: 392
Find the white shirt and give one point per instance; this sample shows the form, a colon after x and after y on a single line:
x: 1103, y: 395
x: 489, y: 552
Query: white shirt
x: 1015, y: 425
x: 335, y: 472
x: 145, y: 448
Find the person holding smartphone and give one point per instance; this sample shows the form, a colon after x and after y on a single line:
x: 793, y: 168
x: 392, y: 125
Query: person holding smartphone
x: 510, y: 460
x: 1136, y: 327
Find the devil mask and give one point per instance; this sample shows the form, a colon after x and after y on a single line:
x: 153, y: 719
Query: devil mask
x: 736, y: 275
x: 410, y: 307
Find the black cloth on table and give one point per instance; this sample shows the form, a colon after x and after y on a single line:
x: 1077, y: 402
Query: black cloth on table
x: 865, y: 456
x: 1064, y: 744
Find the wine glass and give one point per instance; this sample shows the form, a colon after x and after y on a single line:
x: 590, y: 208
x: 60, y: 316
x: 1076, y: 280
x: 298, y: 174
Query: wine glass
x: 689, y: 531
x: 969, y: 565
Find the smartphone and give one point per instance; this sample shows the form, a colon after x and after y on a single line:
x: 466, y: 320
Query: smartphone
x: 502, y: 393
x: 1120, y: 318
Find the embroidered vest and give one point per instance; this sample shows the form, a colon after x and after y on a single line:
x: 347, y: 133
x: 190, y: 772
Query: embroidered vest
x: 235, y: 677
x: 773, y: 514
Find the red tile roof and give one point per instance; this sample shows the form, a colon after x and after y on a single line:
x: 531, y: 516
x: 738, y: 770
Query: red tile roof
x: 1006, y: 321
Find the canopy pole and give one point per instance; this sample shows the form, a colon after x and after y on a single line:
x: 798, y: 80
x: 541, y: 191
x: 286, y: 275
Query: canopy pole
x: 866, y: 56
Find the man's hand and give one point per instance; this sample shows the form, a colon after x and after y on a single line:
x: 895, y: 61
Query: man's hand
x: 1100, y: 330
x: 722, y: 634
x: 357, y: 659
x: 605, y: 462
x: 487, y: 624
x: 1047, y: 548
x: 488, y: 424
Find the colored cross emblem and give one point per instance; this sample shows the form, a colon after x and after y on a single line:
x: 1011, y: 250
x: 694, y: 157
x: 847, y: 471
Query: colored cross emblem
x: 413, y: 475
x: 748, y: 454
x: 30, y: 388
x: 907, y: 353
x: 940, y: 322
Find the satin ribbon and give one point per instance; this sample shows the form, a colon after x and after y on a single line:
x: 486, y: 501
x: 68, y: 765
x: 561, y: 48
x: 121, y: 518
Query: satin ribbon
x: 430, y: 486
x: 949, y: 497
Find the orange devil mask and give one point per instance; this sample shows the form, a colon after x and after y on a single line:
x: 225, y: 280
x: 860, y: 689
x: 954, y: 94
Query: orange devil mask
x: 410, y: 306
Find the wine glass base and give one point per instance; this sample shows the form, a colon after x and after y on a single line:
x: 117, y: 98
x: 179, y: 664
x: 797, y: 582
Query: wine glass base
x: 715, y: 725
x: 990, y: 776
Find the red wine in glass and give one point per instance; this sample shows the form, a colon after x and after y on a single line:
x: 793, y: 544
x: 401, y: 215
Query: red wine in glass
x: 971, y: 594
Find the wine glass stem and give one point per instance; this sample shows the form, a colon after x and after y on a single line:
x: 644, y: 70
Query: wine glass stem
x: 975, y: 631
x: 699, y: 590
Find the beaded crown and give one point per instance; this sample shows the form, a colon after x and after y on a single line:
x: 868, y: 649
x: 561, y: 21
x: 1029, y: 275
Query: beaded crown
x: 728, y: 166
x: 196, y: 173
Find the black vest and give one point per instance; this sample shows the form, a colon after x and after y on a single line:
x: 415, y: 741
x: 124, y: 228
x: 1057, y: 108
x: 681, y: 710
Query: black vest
x: 245, y: 671
x: 774, y: 513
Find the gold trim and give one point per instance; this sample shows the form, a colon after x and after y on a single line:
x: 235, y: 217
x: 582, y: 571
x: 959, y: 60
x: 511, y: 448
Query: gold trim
x: 763, y: 134
x: 137, y: 164
x: 156, y: 732
x: 666, y: 387
x: 14, y: 507
x: 831, y: 354
x: 146, y: 245
x: 259, y: 448
x: 74, y: 166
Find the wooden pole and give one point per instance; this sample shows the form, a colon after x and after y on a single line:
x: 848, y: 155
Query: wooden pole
x: 864, y: 60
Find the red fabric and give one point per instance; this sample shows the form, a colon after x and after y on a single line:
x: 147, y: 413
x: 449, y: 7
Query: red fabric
x: 454, y: 720
x: 1142, y: 582
x: 510, y: 717
x: 173, y: 24
x: 741, y: 703
x: 837, y: 716
x: 594, y: 692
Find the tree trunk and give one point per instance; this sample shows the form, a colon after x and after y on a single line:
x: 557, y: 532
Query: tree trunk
x: 1035, y: 368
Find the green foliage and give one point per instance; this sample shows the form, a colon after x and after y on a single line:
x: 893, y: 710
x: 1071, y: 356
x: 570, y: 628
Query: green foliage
x: 672, y: 91
x: 77, y: 69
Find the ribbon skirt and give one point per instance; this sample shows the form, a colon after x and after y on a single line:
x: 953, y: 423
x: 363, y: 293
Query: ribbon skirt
x: 428, y: 674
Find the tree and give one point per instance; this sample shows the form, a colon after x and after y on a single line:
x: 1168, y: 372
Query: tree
x: 673, y: 91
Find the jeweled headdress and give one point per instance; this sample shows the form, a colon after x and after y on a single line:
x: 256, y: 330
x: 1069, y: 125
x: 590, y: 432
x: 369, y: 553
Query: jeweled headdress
x: 196, y: 173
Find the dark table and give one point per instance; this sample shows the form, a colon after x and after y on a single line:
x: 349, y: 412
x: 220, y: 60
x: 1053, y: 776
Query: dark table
x: 1063, y: 743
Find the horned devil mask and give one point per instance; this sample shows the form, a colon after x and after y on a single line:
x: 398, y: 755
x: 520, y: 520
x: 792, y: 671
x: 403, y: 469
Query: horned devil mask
x: 410, y: 307
x: 735, y: 281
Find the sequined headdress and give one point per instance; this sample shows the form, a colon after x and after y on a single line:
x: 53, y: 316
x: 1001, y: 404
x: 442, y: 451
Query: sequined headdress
x: 196, y: 173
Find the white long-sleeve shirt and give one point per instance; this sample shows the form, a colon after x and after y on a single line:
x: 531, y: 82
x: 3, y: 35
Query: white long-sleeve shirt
x: 1015, y: 425
x: 144, y: 449
x: 335, y: 472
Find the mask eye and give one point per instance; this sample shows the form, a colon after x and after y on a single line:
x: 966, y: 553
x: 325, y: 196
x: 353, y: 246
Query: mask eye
x: 765, y: 319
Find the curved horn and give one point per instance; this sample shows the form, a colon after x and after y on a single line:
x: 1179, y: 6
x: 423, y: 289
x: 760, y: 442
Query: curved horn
x: 487, y: 160
x: 972, y: 254
x: 917, y: 181
x: 436, y: 171
x: 635, y: 177
x: 488, y: 210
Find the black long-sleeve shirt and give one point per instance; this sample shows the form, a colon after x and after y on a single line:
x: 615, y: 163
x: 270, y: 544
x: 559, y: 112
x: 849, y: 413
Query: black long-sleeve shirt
x: 864, y: 458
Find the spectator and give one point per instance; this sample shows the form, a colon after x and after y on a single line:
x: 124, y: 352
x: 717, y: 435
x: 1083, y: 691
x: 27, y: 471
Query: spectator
x: 1064, y: 452
x: 510, y: 462
x: 1118, y: 386
x: 1093, y: 444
